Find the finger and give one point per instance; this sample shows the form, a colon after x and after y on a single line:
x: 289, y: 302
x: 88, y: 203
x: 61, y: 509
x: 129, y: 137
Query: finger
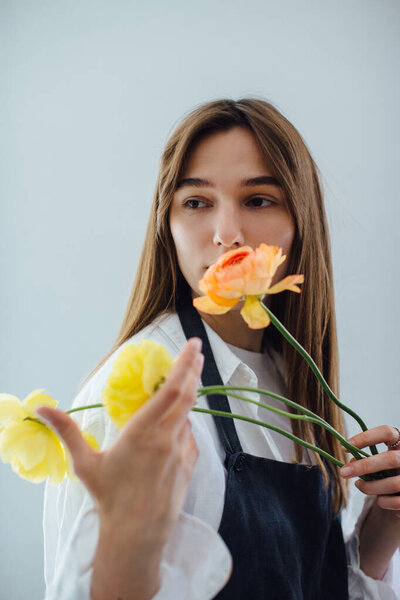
x: 177, y: 414
x: 389, y: 503
x: 83, y: 456
x: 154, y: 410
x: 372, y: 464
x: 383, y: 434
x: 389, y: 485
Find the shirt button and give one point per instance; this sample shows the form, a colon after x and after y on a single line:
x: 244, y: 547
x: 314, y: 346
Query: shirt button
x: 239, y: 463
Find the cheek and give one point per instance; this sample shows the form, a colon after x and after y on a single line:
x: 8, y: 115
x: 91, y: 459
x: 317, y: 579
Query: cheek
x: 183, y: 242
x: 187, y: 249
x: 189, y: 237
x: 288, y: 232
x: 177, y: 231
x: 276, y: 230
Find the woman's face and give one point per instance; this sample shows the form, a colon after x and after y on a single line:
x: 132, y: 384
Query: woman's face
x: 216, y: 208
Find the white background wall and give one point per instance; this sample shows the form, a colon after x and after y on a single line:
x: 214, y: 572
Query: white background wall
x: 90, y: 91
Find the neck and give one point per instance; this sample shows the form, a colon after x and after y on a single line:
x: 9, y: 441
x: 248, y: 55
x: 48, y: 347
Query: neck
x: 233, y: 330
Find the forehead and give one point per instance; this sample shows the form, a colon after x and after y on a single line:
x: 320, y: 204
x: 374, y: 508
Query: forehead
x: 232, y: 151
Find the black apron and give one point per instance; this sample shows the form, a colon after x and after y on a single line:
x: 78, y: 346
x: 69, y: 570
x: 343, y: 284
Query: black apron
x: 276, y: 519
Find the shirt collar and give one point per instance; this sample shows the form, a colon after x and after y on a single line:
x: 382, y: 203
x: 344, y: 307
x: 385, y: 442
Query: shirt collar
x: 227, y: 362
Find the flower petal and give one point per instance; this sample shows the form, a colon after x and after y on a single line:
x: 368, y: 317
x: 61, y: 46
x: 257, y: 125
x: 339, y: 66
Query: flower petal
x: 25, y: 441
x: 224, y: 300
x: 157, y: 363
x: 35, y: 475
x: 272, y: 255
x: 205, y: 304
x: 10, y: 408
x: 56, y: 459
x: 255, y: 287
x: 123, y: 393
x: 288, y: 283
x: 91, y: 440
x: 253, y: 313
x: 36, y: 399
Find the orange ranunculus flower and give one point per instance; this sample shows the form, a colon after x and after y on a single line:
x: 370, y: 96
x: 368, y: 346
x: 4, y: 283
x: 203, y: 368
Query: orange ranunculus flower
x: 244, y: 274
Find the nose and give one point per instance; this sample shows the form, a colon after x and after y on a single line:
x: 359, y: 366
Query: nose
x: 228, y: 229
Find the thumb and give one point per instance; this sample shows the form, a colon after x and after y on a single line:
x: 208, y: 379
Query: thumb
x: 83, y: 456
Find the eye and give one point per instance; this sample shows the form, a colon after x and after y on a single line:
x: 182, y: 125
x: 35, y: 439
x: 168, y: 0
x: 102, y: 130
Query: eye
x: 193, y: 203
x: 260, y: 202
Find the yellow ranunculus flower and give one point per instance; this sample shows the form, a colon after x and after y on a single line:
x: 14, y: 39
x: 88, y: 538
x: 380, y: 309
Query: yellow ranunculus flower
x: 31, y: 447
x: 137, y: 372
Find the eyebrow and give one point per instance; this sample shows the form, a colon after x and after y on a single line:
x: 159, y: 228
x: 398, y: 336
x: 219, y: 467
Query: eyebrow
x: 199, y: 182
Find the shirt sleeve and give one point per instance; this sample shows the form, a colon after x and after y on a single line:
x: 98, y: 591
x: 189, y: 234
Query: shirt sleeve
x: 361, y: 586
x: 195, y: 565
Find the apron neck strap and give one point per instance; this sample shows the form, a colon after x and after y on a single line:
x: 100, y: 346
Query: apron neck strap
x: 192, y: 325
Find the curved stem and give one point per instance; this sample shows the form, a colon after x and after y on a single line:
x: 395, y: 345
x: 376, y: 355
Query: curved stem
x: 308, y: 416
x: 312, y: 416
x: 234, y: 416
x: 209, y: 389
x: 286, y: 334
x: 292, y: 437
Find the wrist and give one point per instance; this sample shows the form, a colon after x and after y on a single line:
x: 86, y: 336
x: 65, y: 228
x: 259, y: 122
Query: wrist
x: 387, y: 517
x: 379, y: 537
x: 126, y: 564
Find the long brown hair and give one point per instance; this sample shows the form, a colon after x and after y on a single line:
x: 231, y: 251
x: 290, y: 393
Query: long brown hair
x: 159, y: 285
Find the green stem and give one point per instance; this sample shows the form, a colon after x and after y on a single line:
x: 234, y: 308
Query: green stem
x: 234, y: 416
x: 225, y: 414
x: 313, y: 418
x: 209, y: 390
x: 71, y: 410
x: 308, y: 416
x: 292, y: 437
x: 221, y: 413
x: 286, y: 334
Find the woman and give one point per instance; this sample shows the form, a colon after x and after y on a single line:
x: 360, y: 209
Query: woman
x: 233, y: 173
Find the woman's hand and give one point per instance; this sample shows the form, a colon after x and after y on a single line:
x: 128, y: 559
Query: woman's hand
x: 379, y: 535
x: 139, y: 483
x: 385, y: 461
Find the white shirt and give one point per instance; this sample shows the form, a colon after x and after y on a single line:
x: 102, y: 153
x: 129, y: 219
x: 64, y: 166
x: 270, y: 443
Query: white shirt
x: 196, y: 563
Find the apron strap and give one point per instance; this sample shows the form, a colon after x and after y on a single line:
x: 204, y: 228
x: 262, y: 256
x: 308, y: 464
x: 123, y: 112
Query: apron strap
x: 192, y: 326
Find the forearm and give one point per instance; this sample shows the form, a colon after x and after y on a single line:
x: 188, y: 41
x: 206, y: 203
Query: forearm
x: 379, y: 539
x: 124, y: 568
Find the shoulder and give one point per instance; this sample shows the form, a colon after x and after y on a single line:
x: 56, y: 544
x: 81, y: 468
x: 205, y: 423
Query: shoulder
x: 165, y: 330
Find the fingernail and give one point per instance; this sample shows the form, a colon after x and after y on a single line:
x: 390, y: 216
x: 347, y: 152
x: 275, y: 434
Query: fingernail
x: 196, y: 343
x: 346, y: 471
x: 45, y: 418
